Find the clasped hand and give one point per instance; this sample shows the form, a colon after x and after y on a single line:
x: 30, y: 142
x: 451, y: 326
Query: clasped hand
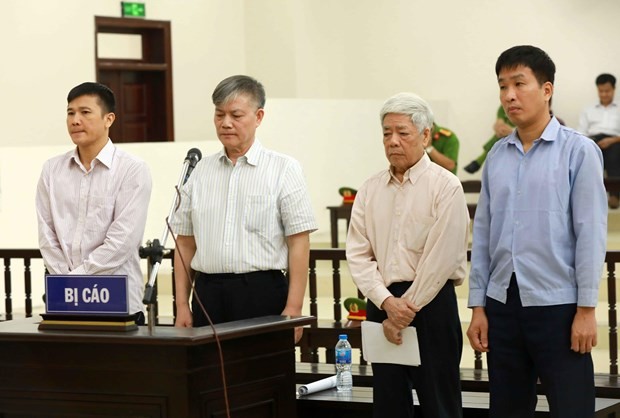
x: 401, y: 313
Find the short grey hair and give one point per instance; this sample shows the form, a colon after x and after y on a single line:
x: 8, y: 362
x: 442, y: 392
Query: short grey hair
x: 232, y: 87
x: 411, y: 105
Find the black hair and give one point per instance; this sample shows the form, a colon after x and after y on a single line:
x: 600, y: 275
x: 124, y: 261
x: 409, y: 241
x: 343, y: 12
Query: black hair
x: 606, y: 78
x: 102, y: 92
x: 528, y: 56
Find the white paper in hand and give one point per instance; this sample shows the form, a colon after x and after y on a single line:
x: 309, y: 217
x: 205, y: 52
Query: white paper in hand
x: 377, y: 349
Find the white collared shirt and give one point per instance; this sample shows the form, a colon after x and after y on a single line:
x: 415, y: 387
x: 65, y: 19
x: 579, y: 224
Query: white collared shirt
x: 599, y: 119
x: 92, y: 222
x: 240, y: 215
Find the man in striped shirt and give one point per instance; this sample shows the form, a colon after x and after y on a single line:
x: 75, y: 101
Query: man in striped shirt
x: 92, y: 201
x: 245, y: 218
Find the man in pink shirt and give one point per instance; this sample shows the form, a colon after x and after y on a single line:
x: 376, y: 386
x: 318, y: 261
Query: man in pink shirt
x: 407, y: 249
x: 92, y: 201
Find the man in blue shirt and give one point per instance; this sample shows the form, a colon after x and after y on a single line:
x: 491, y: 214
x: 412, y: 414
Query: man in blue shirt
x: 538, y: 249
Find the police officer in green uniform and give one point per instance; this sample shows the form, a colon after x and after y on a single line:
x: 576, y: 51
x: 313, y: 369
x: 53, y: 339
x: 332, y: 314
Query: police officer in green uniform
x: 502, y: 127
x: 444, y: 148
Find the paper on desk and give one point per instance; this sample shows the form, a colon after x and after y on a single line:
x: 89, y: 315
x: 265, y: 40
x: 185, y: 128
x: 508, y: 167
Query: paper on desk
x: 377, y: 349
x: 319, y: 385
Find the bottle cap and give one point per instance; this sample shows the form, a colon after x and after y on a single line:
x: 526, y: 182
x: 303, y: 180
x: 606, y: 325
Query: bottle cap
x: 342, y: 337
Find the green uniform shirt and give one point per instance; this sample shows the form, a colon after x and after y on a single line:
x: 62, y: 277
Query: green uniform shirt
x: 444, y: 141
x: 501, y: 114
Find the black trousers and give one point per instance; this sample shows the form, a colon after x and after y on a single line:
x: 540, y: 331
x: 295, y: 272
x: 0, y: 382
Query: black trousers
x: 139, y: 318
x: 527, y: 343
x: 437, y: 380
x: 611, y: 159
x: 231, y: 297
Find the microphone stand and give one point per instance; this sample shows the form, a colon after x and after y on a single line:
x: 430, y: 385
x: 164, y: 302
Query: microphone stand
x: 155, y: 250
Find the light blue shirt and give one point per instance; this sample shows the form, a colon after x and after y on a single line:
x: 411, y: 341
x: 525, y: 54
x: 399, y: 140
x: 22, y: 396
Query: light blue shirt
x: 542, y: 215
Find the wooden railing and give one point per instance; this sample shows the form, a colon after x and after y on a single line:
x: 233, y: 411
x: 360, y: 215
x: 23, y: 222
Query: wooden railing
x: 335, y: 324
x: 27, y: 255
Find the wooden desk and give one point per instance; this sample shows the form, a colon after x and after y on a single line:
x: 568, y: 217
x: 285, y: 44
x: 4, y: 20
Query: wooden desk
x: 358, y: 404
x: 169, y: 373
x: 335, y: 213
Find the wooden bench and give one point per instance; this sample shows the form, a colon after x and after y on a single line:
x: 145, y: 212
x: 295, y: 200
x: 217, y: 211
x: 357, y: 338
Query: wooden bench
x: 358, y: 404
x: 472, y: 380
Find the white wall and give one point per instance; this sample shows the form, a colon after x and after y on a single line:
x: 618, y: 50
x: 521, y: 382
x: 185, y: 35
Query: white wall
x: 443, y: 50
x: 327, y: 66
x: 48, y: 47
x: 321, y: 138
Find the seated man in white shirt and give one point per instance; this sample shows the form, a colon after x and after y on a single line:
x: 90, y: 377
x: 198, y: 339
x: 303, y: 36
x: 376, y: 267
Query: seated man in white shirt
x: 92, y: 201
x: 601, y: 122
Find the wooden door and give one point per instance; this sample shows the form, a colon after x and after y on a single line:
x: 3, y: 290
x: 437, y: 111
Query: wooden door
x: 143, y: 87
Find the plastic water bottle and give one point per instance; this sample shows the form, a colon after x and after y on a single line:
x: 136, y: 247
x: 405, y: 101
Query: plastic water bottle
x: 344, y: 379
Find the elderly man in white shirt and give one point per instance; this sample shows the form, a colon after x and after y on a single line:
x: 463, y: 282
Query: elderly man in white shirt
x: 601, y: 122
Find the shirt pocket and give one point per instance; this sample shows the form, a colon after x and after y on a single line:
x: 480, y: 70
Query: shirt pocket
x: 100, y: 213
x: 416, y: 232
x: 260, y: 215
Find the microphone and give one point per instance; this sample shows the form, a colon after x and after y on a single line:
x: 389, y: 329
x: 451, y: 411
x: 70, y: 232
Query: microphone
x: 193, y: 156
x: 155, y: 250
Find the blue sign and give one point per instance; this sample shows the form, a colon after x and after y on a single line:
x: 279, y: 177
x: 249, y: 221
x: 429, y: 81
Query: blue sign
x: 75, y: 294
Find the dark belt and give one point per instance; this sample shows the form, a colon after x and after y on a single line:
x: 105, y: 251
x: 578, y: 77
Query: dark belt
x: 242, y: 276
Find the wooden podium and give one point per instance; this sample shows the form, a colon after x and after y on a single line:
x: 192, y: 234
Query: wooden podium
x: 169, y: 373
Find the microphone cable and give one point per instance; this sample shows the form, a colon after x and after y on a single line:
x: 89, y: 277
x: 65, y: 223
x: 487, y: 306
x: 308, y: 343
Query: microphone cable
x: 204, y: 311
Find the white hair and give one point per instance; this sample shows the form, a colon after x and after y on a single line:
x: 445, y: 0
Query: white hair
x: 411, y: 105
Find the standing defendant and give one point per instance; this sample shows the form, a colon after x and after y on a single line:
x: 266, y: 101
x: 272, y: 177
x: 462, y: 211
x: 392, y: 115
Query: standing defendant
x: 92, y: 201
x: 244, y: 221
x: 538, y: 249
x: 407, y: 250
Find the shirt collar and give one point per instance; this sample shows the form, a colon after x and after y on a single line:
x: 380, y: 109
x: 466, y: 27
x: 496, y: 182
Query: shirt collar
x: 549, y: 134
x: 413, y: 173
x: 612, y: 104
x: 105, y: 156
x: 551, y: 130
x: 251, y: 156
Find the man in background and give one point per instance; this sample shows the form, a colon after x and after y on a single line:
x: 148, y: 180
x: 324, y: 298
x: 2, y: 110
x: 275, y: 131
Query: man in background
x: 501, y: 128
x: 92, y: 201
x: 601, y: 122
x: 245, y: 218
x: 443, y: 148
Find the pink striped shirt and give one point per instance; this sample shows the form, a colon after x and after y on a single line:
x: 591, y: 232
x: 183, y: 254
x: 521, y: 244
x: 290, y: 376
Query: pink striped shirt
x: 92, y: 222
